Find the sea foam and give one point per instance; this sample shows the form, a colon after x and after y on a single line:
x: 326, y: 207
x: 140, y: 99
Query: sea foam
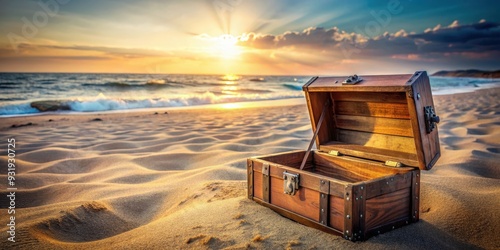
x: 104, y: 103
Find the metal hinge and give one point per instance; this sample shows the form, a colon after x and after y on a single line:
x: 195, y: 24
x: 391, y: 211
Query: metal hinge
x: 334, y: 152
x: 394, y: 164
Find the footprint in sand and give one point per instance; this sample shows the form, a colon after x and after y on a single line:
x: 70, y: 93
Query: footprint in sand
x: 88, y: 222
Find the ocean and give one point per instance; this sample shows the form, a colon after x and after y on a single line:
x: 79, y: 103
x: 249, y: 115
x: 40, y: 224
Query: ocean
x: 88, y: 92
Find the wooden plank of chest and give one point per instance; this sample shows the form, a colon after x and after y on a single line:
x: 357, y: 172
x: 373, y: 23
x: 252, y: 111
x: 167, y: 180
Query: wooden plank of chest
x: 401, y: 127
x: 375, y: 109
x: 395, y: 143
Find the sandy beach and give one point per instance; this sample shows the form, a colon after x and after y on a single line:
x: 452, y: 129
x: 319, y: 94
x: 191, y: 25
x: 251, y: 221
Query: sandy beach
x: 177, y: 180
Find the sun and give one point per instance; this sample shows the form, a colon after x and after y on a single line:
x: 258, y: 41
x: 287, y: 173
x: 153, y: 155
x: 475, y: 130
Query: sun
x: 228, y: 40
x: 226, y: 47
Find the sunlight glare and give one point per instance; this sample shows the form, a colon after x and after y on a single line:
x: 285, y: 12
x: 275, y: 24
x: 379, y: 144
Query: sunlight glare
x: 226, y: 47
x: 230, y: 78
x: 231, y: 105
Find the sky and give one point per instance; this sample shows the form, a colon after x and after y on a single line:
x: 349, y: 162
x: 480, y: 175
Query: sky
x: 253, y: 37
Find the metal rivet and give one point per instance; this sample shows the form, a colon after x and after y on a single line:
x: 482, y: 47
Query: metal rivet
x: 346, y: 231
x: 359, y: 231
x: 355, y: 234
x: 417, y: 175
x: 362, y: 187
x: 361, y: 215
x: 322, y: 210
x: 416, y: 183
x: 322, y: 196
x: 322, y: 182
x: 414, y: 217
x: 418, y: 96
x: 378, y: 232
x: 392, y: 227
x: 416, y: 197
x: 361, y: 197
x: 348, y: 216
x: 347, y: 198
x: 387, y: 182
x: 415, y: 211
x: 322, y: 222
x: 407, y: 222
x: 356, y: 198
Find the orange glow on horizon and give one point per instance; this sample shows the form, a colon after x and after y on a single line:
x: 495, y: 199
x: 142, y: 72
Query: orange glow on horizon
x: 231, y: 106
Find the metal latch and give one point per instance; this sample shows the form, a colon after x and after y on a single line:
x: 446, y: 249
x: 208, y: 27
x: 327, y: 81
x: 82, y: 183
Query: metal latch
x: 430, y: 118
x: 290, y: 183
x: 394, y: 164
x: 351, y: 80
x: 334, y: 152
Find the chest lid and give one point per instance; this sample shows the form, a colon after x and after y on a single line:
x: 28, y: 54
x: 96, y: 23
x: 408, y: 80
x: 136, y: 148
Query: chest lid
x: 381, y: 118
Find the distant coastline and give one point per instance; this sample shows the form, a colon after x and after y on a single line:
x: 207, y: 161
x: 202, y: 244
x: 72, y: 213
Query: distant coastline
x: 469, y: 73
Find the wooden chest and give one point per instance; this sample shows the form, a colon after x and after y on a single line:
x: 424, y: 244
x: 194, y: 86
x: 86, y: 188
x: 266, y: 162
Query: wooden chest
x: 372, y: 138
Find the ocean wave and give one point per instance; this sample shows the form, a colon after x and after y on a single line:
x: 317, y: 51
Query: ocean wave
x: 102, y: 103
x: 129, y: 84
x: 253, y: 91
x: 11, y: 83
x: 46, y: 82
x: 8, y: 87
x: 238, y: 91
x: 113, y: 84
x: 8, y: 99
x: 292, y: 86
x: 17, y: 109
x: 257, y: 79
x: 155, y: 82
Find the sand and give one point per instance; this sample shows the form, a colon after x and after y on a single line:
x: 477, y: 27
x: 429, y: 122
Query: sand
x: 178, y: 180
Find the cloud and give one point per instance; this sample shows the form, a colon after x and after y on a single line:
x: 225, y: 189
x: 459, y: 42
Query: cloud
x: 314, y: 49
x: 310, y: 38
x: 71, y: 58
x: 459, y: 34
x: 438, y: 42
x: 110, y: 51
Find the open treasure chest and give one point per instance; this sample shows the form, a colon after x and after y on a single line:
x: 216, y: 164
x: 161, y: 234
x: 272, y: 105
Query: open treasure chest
x: 373, y: 136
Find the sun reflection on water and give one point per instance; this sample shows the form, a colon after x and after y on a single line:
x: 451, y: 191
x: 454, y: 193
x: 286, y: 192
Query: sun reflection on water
x: 230, y: 78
